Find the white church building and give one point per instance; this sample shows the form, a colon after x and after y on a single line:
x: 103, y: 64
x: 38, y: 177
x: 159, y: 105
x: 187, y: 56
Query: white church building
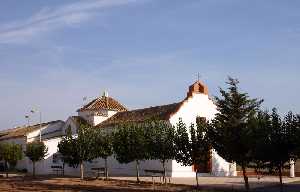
x: 106, y: 113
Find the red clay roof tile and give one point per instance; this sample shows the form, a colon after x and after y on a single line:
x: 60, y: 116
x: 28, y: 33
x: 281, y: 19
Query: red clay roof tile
x: 103, y: 103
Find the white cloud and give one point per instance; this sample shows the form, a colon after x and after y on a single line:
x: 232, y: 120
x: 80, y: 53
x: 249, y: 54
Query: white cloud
x: 48, y: 19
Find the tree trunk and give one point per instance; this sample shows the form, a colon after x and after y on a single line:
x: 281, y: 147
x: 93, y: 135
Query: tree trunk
x: 63, y: 171
x: 81, y: 170
x: 6, y: 168
x: 137, y: 171
x: 280, y: 178
x: 197, y: 179
x: 106, y: 169
x: 164, y: 170
x: 33, y: 168
x: 245, y: 178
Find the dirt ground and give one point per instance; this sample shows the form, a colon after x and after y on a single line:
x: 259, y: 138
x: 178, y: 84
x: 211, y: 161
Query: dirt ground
x: 43, y: 184
x: 69, y: 184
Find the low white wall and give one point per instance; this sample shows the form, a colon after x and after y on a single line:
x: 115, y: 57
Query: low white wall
x: 220, y: 167
x: 44, y: 166
x: 181, y: 171
x: 117, y: 169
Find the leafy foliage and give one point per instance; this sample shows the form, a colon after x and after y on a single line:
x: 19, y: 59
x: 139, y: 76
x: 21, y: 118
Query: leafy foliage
x: 67, y: 147
x: 201, y: 147
x: 277, y: 141
x: 77, y: 149
x: 10, y: 153
x: 230, y: 133
x: 182, y: 144
x: 261, y: 127
x: 129, y: 144
x: 160, y: 142
x: 103, y: 146
x: 35, y: 151
x: 193, y: 150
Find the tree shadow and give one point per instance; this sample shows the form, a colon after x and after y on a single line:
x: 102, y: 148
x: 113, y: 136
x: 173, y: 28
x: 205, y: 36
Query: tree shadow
x: 75, y: 184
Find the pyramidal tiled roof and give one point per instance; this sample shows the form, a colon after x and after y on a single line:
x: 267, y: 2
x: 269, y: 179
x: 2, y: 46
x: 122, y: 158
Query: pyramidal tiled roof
x: 103, y: 103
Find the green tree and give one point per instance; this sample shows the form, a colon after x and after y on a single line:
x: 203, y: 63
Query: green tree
x: 104, y: 147
x: 276, y: 141
x: 129, y: 144
x: 283, y: 142
x: 193, y: 150
x: 10, y: 153
x: 201, y: 147
x: 160, y: 141
x: 182, y: 144
x: 261, y: 126
x: 66, y: 147
x: 230, y: 133
x: 298, y: 134
x: 35, y: 151
x: 79, y: 148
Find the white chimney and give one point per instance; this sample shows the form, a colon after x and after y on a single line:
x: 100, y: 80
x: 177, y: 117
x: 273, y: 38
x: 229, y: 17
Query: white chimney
x: 105, y: 94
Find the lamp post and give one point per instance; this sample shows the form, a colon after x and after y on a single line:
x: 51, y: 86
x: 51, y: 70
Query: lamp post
x: 34, y: 111
x: 28, y: 120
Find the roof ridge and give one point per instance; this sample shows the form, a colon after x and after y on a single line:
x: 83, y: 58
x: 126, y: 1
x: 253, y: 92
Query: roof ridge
x: 152, y: 107
x: 94, y: 101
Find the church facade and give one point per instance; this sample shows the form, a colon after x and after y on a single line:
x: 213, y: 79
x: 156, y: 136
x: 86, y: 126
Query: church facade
x: 106, y: 113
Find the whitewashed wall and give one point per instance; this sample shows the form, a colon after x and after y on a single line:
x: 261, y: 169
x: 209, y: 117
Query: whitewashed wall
x: 44, y: 166
x: 47, y: 131
x: 221, y: 167
x: 199, y: 105
x: 99, y: 119
x: 297, y: 167
x: 95, y: 118
x: 69, y: 123
x: 117, y: 169
x: 87, y: 115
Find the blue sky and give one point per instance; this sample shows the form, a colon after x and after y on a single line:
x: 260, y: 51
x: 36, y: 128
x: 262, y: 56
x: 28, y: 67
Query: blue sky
x: 144, y: 52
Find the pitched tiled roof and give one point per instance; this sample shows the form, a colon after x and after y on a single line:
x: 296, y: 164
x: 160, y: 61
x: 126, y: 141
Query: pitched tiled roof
x: 103, y: 103
x: 22, y: 131
x: 162, y: 112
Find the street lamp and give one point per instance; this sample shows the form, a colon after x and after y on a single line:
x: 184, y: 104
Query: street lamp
x: 28, y: 120
x: 35, y: 111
